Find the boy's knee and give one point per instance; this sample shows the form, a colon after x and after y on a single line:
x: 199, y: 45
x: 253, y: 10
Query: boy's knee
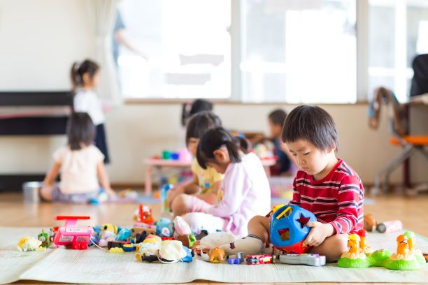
x: 339, y: 245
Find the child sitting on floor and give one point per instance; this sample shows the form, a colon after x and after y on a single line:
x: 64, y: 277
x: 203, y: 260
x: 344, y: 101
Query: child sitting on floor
x: 206, y: 182
x: 324, y: 185
x: 80, y: 163
x: 244, y: 191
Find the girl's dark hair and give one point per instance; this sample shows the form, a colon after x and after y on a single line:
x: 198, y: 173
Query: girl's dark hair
x: 277, y: 117
x: 213, y: 140
x: 244, y: 144
x: 80, y: 68
x: 189, y: 109
x: 313, y: 124
x: 80, y: 130
x: 200, y: 123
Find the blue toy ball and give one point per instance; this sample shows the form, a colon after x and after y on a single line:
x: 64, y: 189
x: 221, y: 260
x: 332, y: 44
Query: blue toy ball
x: 288, y: 228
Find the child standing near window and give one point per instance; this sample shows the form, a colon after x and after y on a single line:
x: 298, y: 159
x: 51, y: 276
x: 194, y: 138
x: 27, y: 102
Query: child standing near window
x: 85, y: 77
x: 324, y: 185
x: 203, y: 189
x: 244, y: 191
x: 80, y: 163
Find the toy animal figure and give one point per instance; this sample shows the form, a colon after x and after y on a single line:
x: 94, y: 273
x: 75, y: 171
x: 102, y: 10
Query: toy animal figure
x: 45, y: 239
x: 165, y: 228
x: 124, y: 234
x: 110, y: 227
x: 354, y: 244
x: 105, y: 237
x: 217, y: 255
x: 402, y: 245
x: 30, y: 244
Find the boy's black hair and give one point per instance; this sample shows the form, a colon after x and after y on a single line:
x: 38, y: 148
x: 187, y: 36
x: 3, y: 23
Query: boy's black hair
x: 199, y: 105
x: 277, y: 117
x: 80, y: 68
x: 313, y: 124
x: 215, y: 139
x: 80, y: 130
x: 200, y: 123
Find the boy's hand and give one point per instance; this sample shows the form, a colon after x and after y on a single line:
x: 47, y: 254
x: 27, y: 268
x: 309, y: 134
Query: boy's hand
x: 318, y: 233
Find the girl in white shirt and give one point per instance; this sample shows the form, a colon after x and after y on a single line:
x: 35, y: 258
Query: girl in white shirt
x: 85, y: 77
x: 80, y: 162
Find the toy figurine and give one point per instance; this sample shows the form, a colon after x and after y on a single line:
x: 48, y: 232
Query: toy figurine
x: 355, y: 257
x: 403, y: 259
x: 144, y: 215
x: 288, y: 228
x: 45, y: 239
x: 171, y: 252
x: 217, y: 255
x: 165, y: 228
x: 30, y: 244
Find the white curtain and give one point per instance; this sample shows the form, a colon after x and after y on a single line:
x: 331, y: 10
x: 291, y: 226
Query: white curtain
x: 103, y: 15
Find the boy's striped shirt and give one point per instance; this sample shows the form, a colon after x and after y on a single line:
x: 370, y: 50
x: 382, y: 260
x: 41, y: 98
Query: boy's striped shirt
x: 336, y: 199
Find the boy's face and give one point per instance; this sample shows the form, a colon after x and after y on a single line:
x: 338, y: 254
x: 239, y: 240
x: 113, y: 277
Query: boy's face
x: 308, y: 157
x: 192, y: 145
x: 275, y: 130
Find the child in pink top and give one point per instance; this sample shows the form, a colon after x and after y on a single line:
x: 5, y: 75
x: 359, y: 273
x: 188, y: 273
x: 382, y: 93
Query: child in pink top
x: 244, y: 192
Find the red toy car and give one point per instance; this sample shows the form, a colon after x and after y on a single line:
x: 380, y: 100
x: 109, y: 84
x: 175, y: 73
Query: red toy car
x: 259, y: 259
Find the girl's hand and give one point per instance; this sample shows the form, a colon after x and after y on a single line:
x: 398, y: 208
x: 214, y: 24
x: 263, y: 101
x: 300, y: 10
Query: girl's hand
x: 318, y: 233
x: 111, y: 193
x: 172, y: 193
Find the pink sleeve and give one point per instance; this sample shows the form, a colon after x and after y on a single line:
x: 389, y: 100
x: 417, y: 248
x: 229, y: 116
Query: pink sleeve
x: 296, y: 195
x: 235, y: 186
x: 350, y: 198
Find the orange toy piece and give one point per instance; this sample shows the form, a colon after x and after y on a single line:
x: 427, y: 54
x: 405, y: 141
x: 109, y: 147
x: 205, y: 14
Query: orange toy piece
x: 402, y: 245
x: 217, y: 255
x: 369, y: 223
x: 354, y: 244
x: 144, y: 215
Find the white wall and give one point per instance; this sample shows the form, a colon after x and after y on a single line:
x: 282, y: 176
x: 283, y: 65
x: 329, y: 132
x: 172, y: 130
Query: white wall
x: 40, y: 39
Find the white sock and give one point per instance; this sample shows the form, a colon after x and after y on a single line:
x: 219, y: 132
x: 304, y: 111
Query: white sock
x: 250, y: 244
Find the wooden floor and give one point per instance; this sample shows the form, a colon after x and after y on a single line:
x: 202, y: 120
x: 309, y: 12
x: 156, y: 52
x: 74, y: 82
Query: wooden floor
x: 14, y: 213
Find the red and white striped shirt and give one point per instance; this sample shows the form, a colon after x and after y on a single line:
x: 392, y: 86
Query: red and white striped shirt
x: 336, y: 199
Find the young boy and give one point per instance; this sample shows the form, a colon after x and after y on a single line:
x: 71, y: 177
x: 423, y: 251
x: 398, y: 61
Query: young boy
x: 324, y: 185
x: 283, y: 165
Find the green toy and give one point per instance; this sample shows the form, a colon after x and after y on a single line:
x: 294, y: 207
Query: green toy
x: 407, y: 256
x: 45, y: 239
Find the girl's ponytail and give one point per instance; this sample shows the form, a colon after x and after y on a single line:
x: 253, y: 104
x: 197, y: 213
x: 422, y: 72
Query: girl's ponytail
x: 76, y: 79
x: 244, y: 144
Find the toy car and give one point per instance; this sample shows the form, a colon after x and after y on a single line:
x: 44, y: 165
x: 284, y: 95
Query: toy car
x: 306, y: 259
x: 258, y: 259
x: 72, y: 236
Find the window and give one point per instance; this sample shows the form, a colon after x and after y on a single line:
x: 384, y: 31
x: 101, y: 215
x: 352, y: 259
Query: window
x: 282, y: 50
x: 187, y: 44
x: 398, y: 30
x: 299, y: 51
